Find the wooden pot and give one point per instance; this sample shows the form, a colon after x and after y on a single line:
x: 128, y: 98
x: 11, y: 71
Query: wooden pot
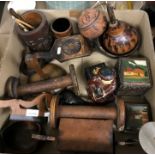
x: 40, y: 38
x: 120, y: 38
x: 92, y: 23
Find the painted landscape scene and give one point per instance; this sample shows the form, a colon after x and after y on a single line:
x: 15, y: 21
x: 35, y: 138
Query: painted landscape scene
x: 135, y: 71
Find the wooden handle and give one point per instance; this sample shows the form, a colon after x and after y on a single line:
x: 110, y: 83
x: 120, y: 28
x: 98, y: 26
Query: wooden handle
x: 24, y: 23
x: 111, y: 14
x: 19, y: 19
x: 23, y: 27
x: 13, y: 13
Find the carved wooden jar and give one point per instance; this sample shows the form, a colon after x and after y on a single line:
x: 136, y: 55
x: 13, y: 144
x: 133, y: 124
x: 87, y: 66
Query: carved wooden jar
x: 40, y: 38
x: 92, y: 23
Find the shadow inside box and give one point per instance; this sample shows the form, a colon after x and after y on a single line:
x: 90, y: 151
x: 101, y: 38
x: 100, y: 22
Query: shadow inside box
x: 133, y: 146
x: 15, y: 137
x: 3, y: 40
x: 2, y: 4
x: 48, y: 147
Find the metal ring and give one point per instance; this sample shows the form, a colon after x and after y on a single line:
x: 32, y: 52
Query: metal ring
x: 14, y: 87
x: 120, y: 114
x: 10, y: 87
x: 53, y: 106
x: 74, y: 79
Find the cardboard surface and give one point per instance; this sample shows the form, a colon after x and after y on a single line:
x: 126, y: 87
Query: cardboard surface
x: 12, y: 56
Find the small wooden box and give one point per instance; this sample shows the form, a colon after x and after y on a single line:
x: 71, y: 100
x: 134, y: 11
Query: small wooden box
x: 138, y: 112
x: 134, y: 76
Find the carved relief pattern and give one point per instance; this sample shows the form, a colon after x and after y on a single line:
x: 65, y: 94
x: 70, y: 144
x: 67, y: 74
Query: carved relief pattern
x: 43, y: 43
x: 121, y: 39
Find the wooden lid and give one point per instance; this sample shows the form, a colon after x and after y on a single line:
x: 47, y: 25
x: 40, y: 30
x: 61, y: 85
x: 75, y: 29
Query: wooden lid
x: 87, y: 17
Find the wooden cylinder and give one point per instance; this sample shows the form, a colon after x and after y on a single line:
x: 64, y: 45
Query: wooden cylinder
x: 14, y: 89
x: 92, y: 112
x: 43, y: 86
x: 115, y: 112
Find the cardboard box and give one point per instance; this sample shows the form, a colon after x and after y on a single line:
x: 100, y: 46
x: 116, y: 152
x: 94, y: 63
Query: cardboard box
x: 12, y: 56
